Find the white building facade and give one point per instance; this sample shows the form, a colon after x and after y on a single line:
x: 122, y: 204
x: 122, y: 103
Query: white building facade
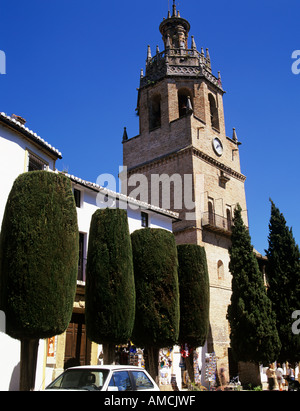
x: 22, y: 150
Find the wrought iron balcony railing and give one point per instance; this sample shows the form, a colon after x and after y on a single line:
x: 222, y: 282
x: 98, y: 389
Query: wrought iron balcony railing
x: 217, y: 223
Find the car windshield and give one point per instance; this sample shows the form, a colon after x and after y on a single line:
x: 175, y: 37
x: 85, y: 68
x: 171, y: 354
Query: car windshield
x: 80, y: 379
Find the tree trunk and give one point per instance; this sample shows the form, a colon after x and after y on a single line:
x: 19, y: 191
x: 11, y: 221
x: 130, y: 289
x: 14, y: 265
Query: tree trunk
x: 109, y: 355
x: 29, y: 351
x: 189, y: 364
x: 249, y: 373
x: 153, y: 355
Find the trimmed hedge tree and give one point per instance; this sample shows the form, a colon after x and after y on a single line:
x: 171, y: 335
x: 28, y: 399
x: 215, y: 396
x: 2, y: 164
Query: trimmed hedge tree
x: 157, y: 292
x: 194, y: 299
x: 38, y: 262
x: 110, y: 290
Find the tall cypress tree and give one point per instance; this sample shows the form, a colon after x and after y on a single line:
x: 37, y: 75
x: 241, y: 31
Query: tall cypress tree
x: 284, y: 282
x: 253, y: 333
x: 38, y: 262
x: 157, y: 292
x: 194, y: 299
x: 110, y: 289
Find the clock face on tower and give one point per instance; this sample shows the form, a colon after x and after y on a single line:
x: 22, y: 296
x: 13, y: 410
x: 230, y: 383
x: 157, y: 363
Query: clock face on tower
x: 218, y: 147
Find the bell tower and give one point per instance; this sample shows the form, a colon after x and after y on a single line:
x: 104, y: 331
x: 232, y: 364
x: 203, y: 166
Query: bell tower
x: 189, y: 163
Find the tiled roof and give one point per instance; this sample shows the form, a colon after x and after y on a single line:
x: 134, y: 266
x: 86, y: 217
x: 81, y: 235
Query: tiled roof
x: 29, y: 134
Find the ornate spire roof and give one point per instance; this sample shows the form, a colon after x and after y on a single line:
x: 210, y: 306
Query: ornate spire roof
x: 176, y: 27
x: 177, y: 59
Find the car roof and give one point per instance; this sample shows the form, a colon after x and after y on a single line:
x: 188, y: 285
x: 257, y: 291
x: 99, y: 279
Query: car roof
x: 107, y: 367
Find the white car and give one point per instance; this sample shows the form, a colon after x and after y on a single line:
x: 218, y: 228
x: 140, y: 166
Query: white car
x: 104, y: 378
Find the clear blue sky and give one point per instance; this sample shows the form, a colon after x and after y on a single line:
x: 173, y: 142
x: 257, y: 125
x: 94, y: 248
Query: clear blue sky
x: 73, y: 68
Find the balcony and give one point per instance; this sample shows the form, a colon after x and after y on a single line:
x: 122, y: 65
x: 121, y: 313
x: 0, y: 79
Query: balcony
x: 216, y: 223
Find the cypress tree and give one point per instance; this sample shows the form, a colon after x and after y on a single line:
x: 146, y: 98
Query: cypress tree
x: 157, y: 292
x: 194, y: 299
x: 253, y: 333
x: 110, y: 289
x: 38, y: 262
x: 283, y: 272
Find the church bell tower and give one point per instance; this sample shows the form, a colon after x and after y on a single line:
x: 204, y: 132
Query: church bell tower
x: 182, y: 143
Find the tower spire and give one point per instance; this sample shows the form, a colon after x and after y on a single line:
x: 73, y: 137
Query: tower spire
x: 174, y: 9
x: 176, y: 29
x: 177, y: 58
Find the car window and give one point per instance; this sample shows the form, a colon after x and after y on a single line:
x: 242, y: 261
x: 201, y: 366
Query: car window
x: 142, y: 382
x: 80, y: 379
x: 121, y: 380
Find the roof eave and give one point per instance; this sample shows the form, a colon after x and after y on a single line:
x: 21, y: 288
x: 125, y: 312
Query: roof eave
x: 30, y: 135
